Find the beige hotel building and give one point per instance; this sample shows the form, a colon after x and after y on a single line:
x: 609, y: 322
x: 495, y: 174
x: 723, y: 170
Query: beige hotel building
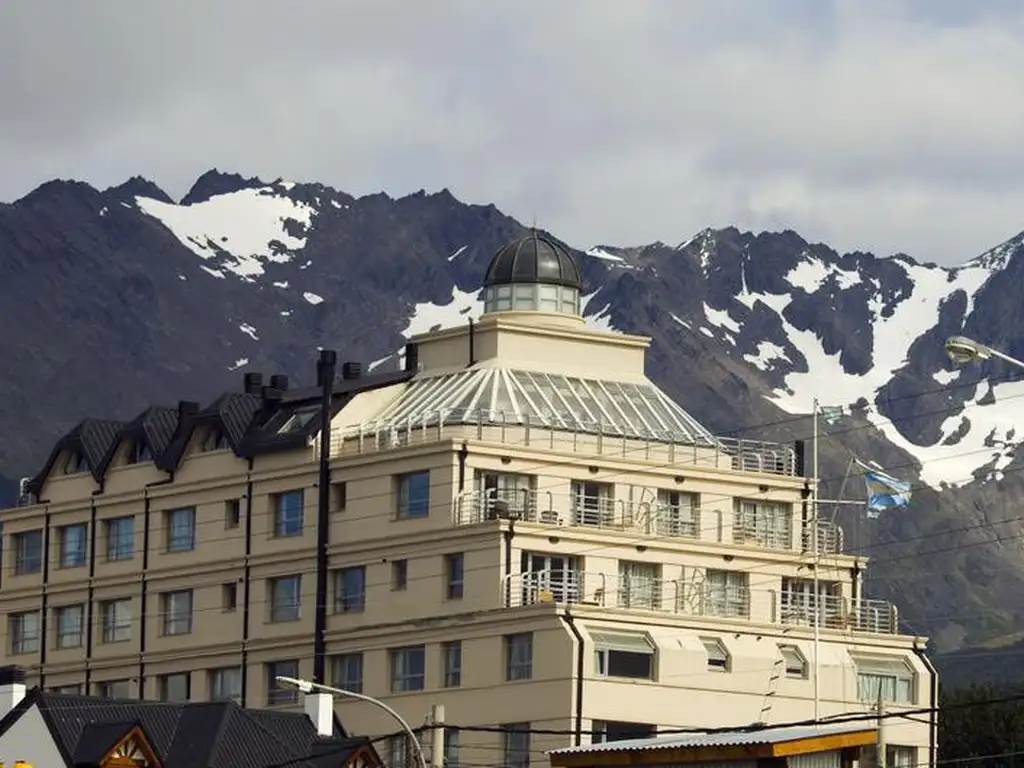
x: 518, y: 525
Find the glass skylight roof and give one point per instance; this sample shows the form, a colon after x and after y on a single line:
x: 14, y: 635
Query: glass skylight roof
x: 503, y: 396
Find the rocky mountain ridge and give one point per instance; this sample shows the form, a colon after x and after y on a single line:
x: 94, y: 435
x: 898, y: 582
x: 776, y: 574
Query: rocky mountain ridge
x: 120, y: 298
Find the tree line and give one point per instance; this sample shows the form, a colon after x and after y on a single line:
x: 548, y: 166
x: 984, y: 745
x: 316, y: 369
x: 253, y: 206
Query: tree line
x: 981, y: 734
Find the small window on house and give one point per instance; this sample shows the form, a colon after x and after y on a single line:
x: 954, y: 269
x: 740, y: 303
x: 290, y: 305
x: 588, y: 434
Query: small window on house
x: 117, y: 620
x: 232, y: 513
x: 28, y: 552
x: 399, y: 575
x: 339, y: 494
x: 900, y: 757
x: 215, y: 440
x: 794, y: 662
x: 175, y: 687
x: 226, y: 684
x: 408, y: 669
x: 891, y: 679
x: 115, y: 689
x: 73, y: 543
x: 347, y: 672
x: 229, y: 596
x: 139, y: 452
x: 519, y: 656
x: 454, y: 574
x: 616, y: 730
x: 24, y: 632
x: 285, y: 598
x: 350, y: 589
x: 413, y: 495
x: 177, y: 612
x: 515, y: 745
x: 623, y: 655
x: 181, y: 529
x: 451, y: 748
x: 299, y: 420
x: 76, y: 463
x: 70, y: 621
x: 120, y: 538
x: 717, y: 654
x: 276, y: 693
x: 288, y: 513
x: 451, y: 663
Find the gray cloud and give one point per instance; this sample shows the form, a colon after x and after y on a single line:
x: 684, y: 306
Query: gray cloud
x: 875, y: 124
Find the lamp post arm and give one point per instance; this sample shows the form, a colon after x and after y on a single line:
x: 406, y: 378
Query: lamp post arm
x: 1007, y: 358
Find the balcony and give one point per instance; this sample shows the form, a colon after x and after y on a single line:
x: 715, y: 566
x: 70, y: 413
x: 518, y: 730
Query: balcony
x: 589, y: 439
x: 653, y: 519
x: 698, y: 599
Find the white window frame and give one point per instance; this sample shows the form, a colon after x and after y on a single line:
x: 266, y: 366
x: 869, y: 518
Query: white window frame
x: 117, y: 620
x: 177, y: 612
x: 794, y: 662
x: 717, y: 653
x: 516, y: 745
x: 451, y: 664
x: 519, y: 656
x: 407, y: 676
x: 70, y: 636
x: 894, y: 677
x: 226, y: 684
x: 285, y: 607
x: 25, y: 627
x: 347, y: 671
x: 608, y: 643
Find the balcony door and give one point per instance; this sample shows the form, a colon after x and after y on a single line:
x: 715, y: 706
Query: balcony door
x: 550, y: 577
x: 516, y: 491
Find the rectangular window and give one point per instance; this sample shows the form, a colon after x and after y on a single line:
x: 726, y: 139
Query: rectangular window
x: 611, y: 730
x: 70, y: 620
x: 639, y: 585
x: 177, y: 612
x: 24, y: 631
x: 413, y: 495
x: 175, y: 687
x: 726, y: 593
x: 400, y: 750
x: 232, y: 513
x: 75, y: 690
x: 73, y: 541
x: 350, y: 589
x: 519, y: 656
x: 229, y: 597
x: 28, y: 552
x: 451, y: 660
x: 677, y: 514
x: 347, y: 672
x: 793, y: 661
x: 717, y: 654
x: 900, y: 757
x: 767, y: 524
x: 515, y: 745
x: 117, y: 620
x: 115, y: 689
x: 181, y: 529
x: 288, y: 514
x: 120, y: 538
x: 623, y: 655
x: 276, y: 693
x: 451, y: 748
x: 893, y: 680
x: 285, y: 598
x: 408, y: 669
x: 454, y: 575
x: 226, y: 684
x: 399, y: 575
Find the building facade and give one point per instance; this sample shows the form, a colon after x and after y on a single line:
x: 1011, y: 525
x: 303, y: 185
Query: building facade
x: 518, y: 525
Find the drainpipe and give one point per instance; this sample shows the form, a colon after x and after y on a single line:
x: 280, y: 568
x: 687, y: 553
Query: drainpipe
x: 472, y: 345
x: 247, y: 581
x: 570, y: 622
x: 90, y: 611
x: 463, y: 456
x: 509, y: 534
x: 933, y: 727
x: 325, y: 374
x: 44, y: 607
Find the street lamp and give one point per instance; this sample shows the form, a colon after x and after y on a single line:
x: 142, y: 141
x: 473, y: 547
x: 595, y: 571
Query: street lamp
x: 962, y: 350
x: 308, y: 686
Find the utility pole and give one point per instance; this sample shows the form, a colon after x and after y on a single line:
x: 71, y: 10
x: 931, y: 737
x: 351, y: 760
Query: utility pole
x: 325, y: 379
x: 817, y: 562
x: 881, y: 731
x: 437, y: 736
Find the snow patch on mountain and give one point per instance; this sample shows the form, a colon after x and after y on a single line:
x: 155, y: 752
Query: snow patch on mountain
x: 241, y: 230
x: 963, y: 447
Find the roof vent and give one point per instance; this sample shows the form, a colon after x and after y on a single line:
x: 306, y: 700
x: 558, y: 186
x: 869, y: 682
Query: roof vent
x: 279, y: 381
x: 187, y: 408
x: 351, y: 370
x: 252, y: 383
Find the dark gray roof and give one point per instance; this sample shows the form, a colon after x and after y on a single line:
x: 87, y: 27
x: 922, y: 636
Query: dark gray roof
x: 231, y: 413
x: 94, y: 439
x: 207, y: 734
x: 535, y: 258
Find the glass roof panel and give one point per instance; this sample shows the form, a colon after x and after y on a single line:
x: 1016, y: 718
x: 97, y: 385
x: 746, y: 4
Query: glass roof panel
x: 507, y: 396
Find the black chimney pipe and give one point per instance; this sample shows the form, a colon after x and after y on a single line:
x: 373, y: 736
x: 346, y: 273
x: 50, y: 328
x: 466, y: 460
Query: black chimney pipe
x: 325, y: 375
x: 412, y: 357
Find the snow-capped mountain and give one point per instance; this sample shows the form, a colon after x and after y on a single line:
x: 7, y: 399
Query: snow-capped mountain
x: 113, y: 300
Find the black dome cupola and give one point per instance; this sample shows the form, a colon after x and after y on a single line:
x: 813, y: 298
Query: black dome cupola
x: 533, y: 273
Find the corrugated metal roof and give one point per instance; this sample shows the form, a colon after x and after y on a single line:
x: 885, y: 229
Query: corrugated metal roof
x: 721, y: 738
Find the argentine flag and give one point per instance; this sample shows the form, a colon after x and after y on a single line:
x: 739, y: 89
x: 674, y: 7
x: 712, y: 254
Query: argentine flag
x: 884, y: 490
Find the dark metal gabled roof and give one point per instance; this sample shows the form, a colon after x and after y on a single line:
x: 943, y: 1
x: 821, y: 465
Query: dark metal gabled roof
x: 210, y: 734
x: 232, y: 413
x: 94, y: 439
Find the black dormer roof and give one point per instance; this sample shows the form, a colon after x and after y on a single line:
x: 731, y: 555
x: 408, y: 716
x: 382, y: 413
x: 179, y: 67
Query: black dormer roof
x: 94, y: 439
x: 231, y: 413
x: 154, y: 428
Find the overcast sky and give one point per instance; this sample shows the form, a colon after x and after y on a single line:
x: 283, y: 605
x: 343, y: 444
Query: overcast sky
x: 895, y: 125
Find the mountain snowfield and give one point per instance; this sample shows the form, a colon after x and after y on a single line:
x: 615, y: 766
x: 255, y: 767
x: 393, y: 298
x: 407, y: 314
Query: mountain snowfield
x: 237, y: 234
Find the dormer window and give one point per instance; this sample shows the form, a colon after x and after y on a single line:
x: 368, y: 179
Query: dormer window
x: 299, y: 420
x: 76, y: 463
x: 139, y: 452
x: 215, y: 440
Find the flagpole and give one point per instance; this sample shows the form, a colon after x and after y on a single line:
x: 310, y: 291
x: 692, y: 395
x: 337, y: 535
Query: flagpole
x: 814, y: 535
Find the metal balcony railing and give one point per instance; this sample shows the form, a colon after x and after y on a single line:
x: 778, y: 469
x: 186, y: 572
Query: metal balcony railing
x: 762, y: 606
